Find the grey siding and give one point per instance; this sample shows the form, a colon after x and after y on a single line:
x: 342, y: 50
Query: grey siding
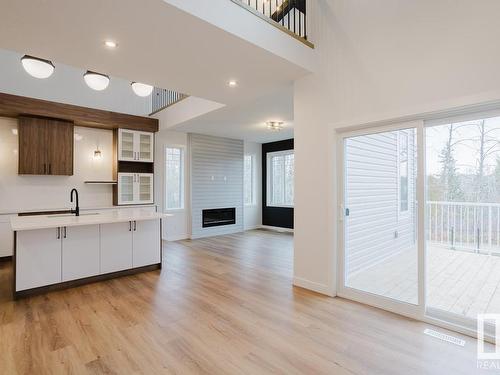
x: 216, y: 181
x: 375, y: 227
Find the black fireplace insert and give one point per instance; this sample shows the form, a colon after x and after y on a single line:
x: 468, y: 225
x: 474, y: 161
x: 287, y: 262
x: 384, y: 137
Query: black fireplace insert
x: 219, y: 216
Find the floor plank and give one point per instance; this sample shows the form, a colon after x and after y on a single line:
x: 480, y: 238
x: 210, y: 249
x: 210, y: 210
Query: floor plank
x: 222, y: 305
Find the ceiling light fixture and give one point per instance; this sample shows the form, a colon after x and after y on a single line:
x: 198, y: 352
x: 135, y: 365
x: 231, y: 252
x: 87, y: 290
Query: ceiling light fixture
x: 110, y: 44
x: 36, y: 67
x: 141, y: 89
x: 232, y: 83
x: 96, y: 81
x: 275, y: 125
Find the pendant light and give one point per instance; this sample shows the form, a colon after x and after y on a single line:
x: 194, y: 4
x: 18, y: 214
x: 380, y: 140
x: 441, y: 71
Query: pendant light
x: 96, y: 81
x: 36, y: 67
x: 141, y: 89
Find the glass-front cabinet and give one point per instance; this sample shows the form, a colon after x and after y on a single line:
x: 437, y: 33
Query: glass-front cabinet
x: 135, y: 188
x: 135, y: 145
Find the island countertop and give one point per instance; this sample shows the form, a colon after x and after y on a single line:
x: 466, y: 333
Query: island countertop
x: 20, y: 223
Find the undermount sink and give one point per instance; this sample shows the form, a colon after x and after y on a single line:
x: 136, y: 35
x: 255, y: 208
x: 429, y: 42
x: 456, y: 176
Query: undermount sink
x: 69, y: 215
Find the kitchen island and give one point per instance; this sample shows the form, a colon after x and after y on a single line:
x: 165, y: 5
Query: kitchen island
x: 61, y: 251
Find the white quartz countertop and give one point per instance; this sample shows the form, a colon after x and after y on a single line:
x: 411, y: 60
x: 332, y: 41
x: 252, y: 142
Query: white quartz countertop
x: 20, y: 223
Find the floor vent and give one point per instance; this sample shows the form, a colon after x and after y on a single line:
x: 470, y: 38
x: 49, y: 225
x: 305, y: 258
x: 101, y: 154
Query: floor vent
x: 444, y: 337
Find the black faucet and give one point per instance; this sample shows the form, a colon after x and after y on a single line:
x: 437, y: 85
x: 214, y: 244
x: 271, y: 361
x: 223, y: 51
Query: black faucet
x: 76, y: 211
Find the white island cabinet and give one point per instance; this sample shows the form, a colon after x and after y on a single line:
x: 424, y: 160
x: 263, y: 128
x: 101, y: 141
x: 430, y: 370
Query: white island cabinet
x: 38, y: 258
x: 54, y: 252
x: 116, y: 247
x: 80, y: 252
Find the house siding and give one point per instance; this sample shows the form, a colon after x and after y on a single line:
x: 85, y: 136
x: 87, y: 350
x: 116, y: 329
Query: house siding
x: 375, y: 228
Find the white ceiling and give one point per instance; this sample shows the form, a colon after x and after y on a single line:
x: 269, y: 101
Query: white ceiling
x: 161, y: 45
x: 158, y: 44
x: 248, y: 120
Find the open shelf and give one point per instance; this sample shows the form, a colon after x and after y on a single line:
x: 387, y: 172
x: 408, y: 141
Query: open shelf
x: 101, y: 182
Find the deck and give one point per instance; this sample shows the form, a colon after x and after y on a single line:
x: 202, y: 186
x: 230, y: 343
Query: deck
x: 458, y: 282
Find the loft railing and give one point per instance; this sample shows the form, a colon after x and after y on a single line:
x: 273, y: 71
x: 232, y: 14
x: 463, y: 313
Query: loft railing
x: 289, y: 15
x: 163, y: 98
x: 465, y: 226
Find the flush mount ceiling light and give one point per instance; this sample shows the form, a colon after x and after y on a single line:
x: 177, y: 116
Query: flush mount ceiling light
x: 141, y: 89
x: 96, y: 81
x: 275, y: 125
x: 232, y: 83
x: 110, y: 44
x: 36, y: 67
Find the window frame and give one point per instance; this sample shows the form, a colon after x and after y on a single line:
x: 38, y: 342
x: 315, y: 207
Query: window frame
x: 182, y: 178
x: 253, y: 201
x: 269, y: 178
x: 403, y: 134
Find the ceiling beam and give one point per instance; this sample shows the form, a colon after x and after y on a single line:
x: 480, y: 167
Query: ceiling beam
x: 15, y: 106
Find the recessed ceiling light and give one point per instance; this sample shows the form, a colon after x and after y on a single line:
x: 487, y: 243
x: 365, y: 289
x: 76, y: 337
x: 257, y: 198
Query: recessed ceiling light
x: 96, y: 81
x: 141, y: 89
x: 110, y: 44
x: 232, y: 83
x: 36, y: 67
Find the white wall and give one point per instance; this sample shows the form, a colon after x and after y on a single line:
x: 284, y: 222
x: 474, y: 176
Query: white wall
x: 66, y: 85
x: 379, y: 60
x: 252, y: 215
x: 176, y: 227
x: 25, y: 193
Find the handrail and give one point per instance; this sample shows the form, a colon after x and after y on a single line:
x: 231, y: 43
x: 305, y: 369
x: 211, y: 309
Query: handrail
x: 464, y: 225
x: 287, y: 15
x: 163, y: 98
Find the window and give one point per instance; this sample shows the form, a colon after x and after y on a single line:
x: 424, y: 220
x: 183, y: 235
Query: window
x: 403, y: 171
x: 174, y: 178
x: 280, y: 174
x: 248, y: 180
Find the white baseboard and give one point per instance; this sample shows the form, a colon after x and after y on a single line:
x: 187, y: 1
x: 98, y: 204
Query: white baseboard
x: 314, y: 286
x: 277, y: 229
x: 252, y: 227
x: 176, y: 237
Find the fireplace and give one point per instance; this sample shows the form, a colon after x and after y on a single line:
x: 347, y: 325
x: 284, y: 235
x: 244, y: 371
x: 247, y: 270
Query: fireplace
x: 219, y: 216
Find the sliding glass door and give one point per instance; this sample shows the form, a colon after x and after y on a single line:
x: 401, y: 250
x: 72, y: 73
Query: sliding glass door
x: 380, y: 262
x: 420, y: 218
x: 463, y: 218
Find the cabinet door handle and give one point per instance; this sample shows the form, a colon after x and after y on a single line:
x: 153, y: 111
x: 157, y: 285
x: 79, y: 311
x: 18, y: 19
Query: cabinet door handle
x: 44, y: 168
x: 58, y: 233
x: 130, y: 226
x: 64, y: 232
x: 135, y: 225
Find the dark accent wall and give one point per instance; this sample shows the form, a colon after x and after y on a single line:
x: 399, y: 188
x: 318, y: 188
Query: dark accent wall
x: 274, y: 216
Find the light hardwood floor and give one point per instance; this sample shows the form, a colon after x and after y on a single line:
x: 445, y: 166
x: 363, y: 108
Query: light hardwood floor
x: 222, y: 305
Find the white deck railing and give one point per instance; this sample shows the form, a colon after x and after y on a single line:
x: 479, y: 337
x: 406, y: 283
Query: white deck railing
x: 462, y: 225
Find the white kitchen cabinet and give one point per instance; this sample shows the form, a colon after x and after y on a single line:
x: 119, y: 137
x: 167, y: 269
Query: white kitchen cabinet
x: 116, y: 247
x: 146, y: 243
x: 135, y: 145
x: 135, y: 188
x: 38, y: 258
x: 6, y: 236
x: 80, y: 252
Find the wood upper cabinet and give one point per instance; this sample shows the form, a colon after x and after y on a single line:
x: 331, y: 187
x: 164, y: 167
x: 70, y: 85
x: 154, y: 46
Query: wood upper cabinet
x: 45, y: 146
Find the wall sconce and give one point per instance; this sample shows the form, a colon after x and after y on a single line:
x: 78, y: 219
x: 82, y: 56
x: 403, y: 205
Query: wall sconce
x: 97, y: 155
